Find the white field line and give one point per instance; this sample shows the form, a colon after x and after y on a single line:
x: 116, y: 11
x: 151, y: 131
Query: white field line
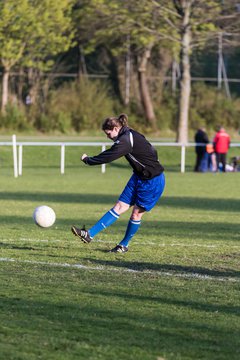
x: 135, y: 242
x: 185, y: 275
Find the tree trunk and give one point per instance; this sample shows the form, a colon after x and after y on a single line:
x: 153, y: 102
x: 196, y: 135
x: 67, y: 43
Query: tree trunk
x: 20, y: 84
x: 5, y: 80
x: 127, y: 73
x: 164, y: 64
x: 185, y: 85
x: 144, y: 89
x: 34, y: 85
x: 82, y: 68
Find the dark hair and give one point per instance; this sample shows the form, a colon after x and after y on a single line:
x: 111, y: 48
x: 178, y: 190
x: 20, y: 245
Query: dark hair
x: 111, y: 122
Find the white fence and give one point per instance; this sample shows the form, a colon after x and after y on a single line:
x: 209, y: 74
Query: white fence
x: 18, y: 151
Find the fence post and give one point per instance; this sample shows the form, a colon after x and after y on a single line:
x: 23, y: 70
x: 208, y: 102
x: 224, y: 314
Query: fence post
x: 183, y: 151
x: 15, y: 164
x: 20, y: 150
x: 62, y: 158
x: 103, y: 165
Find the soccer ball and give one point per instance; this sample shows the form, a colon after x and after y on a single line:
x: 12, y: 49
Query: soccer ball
x: 44, y: 216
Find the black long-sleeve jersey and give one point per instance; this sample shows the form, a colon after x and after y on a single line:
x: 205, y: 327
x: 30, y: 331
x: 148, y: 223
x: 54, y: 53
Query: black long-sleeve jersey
x: 140, y: 154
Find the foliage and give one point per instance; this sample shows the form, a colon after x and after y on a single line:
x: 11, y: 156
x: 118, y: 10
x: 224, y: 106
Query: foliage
x: 31, y: 33
x: 211, y: 108
x: 166, y: 112
x: 129, y: 17
x: 32, y: 30
x: 15, y: 23
x: 14, y: 118
x: 51, y: 32
x: 78, y: 106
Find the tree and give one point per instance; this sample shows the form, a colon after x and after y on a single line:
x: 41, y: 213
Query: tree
x: 184, y: 9
x: 195, y: 22
x: 14, y: 26
x: 121, y: 27
x: 52, y: 35
x: 31, y: 31
x: 184, y: 24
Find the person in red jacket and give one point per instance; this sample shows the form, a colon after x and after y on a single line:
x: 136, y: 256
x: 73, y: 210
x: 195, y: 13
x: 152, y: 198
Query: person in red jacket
x: 221, y: 143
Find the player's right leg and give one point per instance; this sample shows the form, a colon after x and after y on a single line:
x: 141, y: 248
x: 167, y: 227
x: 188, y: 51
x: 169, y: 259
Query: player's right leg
x: 126, y: 199
x: 106, y: 220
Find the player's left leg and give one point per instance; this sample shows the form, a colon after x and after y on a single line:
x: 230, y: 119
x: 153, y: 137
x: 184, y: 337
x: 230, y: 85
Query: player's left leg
x: 147, y: 194
x: 132, y: 227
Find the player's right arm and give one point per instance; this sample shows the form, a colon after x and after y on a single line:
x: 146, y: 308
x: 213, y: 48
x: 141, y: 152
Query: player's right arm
x: 120, y: 148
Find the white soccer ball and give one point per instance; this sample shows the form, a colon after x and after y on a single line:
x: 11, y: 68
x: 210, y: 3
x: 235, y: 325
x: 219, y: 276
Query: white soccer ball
x: 44, y: 216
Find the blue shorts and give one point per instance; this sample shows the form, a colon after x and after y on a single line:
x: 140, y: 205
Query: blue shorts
x: 143, y: 193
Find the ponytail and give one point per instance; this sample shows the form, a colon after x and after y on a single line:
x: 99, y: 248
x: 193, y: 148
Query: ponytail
x: 123, y: 119
x: 111, y: 122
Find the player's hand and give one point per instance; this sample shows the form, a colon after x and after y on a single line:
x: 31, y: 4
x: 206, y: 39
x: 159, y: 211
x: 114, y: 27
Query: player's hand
x: 84, y: 158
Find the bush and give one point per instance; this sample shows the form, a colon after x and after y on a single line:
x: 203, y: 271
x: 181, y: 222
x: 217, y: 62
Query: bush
x: 14, y: 118
x: 210, y: 107
x: 60, y: 121
x: 79, y: 105
x: 166, y: 113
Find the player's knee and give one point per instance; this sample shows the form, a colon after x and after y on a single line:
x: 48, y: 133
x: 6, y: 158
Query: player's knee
x: 137, y: 214
x: 136, y: 217
x: 120, y: 207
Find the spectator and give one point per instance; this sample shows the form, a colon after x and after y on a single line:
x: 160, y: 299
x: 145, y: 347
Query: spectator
x: 221, y: 143
x: 200, y: 138
x: 28, y: 100
x: 212, y: 165
x: 235, y: 162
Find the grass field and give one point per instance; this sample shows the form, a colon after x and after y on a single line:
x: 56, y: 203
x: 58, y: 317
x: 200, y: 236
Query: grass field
x: 174, y: 295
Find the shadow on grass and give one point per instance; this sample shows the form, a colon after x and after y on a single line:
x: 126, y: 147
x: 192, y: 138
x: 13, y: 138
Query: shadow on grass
x: 78, y: 318
x: 175, y: 269
x: 67, y: 328
x: 174, y: 201
x: 201, y: 203
x: 202, y: 306
x: 16, y: 247
x: 156, y: 230
x: 68, y: 317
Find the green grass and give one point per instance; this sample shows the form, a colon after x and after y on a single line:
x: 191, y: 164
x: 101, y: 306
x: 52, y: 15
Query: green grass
x: 174, y: 295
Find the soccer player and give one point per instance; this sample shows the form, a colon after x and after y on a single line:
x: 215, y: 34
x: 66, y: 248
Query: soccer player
x: 143, y: 189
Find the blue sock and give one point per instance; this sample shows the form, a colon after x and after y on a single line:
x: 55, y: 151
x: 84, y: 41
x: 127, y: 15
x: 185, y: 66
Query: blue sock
x: 108, y: 219
x: 132, y: 228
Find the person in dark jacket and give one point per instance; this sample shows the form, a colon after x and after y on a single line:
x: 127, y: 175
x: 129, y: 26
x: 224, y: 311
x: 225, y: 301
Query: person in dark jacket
x: 143, y: 189
x: 201, y: 139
